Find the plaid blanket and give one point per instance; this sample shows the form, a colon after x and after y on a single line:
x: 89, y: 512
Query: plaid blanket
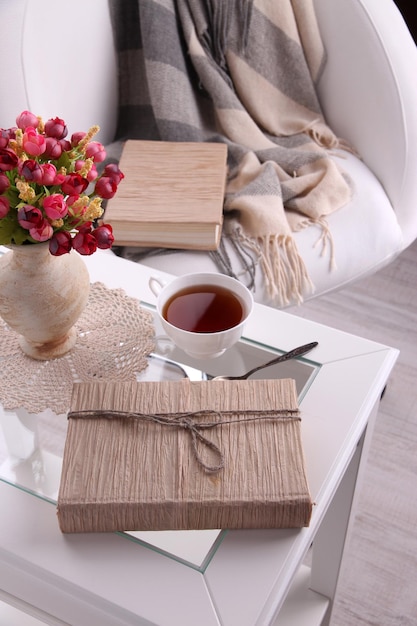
x: 242, y: 72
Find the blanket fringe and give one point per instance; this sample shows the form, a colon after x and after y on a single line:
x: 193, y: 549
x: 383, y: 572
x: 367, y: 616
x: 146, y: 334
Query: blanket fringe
x: 247, y: 262
x: 325, y: 138
x: 284, y: 272
x: 326, y: 239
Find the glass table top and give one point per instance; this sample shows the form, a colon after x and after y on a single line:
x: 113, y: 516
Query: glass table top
x: 31, y: 446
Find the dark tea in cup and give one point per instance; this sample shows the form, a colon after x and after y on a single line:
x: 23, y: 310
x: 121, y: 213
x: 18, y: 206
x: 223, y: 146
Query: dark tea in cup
x: 203, y: 309
x: 202, y: 313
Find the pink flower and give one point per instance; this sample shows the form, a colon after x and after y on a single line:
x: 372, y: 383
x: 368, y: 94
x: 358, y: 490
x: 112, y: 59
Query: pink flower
x: 72, y: 199
x: 104, y: 236
x: 112, y: 171
x: 42, y: 232
x: 74, y: 184
x: 60, y: 243
x: 33, y: 142
x: 25, y: 119
x: 105, y: 187
x: 59, y: 179
x: 92, y: 174
x: 76, y: 138
x: 55, y: 206
x: 4, y: 206
x: 49, y: 174
x: 29, y: 216
x: 31, y: 171
x: 75, y: 212
x: 4, y: 183
x: 4, y: 139
x: 65, y: 145
x: 8, y: 160
x: 51, y: 185
x: 84, y: 242
x: 95, y: 150
x: 56, y: 128
x: 53, y: 149
x: 5, y: 135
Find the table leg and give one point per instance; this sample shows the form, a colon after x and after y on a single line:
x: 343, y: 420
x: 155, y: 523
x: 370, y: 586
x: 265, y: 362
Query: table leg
x: 330, y: 539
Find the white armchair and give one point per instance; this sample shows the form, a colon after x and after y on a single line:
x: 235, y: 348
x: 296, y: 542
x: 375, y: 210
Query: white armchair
x: 368, y: 92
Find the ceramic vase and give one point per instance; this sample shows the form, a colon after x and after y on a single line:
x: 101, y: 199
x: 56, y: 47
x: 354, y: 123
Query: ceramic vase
x: 42, y: 297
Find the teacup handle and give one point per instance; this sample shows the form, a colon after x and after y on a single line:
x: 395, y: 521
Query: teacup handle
x: 156, y: 285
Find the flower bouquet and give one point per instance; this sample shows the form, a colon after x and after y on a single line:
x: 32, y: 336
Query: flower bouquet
x: 51, y: 193
x: 50, y: 189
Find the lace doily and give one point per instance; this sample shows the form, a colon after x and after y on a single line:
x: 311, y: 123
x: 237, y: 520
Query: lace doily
x: 115, y: 335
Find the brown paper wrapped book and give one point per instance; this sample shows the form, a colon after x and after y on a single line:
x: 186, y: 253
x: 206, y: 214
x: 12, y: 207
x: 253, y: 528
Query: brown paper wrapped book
x: 172, y: 195
x: 183, y: 455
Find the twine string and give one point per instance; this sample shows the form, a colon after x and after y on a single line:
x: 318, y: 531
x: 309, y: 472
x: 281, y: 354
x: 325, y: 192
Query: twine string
x: 188, y: 421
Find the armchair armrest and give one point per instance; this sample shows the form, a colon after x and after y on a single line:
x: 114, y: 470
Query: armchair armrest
x: 368, y: 92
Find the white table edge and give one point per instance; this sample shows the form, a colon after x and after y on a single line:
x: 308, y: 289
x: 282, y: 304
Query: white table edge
x: 207, y: 592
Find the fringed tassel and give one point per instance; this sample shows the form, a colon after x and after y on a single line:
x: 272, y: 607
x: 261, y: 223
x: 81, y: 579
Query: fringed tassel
x: 286, y: 276
x: 325, y: 138
x: 284, y: 272
x: 247, y: 262
x: 326, y: 240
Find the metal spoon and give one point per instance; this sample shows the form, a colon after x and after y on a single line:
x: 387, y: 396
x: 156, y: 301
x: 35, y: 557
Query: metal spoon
x: 187, y: 371
x: 292, y: 354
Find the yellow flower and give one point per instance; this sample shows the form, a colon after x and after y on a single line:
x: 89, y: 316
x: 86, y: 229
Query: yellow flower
x: 86, y: 168
x: 91, y: 133
x: 57, y: 223
x: 26, y: 193
x: 94, y: 210
x: 19, y: 136
x: 77, y: 209
x: 80, y: 203
x: 17, y: 144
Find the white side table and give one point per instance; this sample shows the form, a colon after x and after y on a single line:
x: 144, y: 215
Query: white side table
x: 250, y: 578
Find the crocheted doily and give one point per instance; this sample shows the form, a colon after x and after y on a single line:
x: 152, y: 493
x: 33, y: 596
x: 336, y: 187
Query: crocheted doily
x: 115, y: 335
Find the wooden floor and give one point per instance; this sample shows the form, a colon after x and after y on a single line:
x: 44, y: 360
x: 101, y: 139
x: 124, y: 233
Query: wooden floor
x: 378, y: 582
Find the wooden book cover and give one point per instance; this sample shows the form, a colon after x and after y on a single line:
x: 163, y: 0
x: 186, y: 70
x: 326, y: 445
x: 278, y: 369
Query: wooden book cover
x: 183, y: 455
x: 172, y: 195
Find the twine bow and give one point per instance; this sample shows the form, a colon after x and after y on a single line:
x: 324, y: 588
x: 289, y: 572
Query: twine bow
x: 188, y: 422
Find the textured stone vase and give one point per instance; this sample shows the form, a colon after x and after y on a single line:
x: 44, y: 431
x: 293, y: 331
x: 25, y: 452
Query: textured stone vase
x: 41, y: 298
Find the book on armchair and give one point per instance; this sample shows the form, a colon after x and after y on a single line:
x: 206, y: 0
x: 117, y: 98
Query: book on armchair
x: 171, y: 196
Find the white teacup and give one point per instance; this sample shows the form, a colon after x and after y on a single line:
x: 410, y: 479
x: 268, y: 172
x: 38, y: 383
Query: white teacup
x: 204, y: 322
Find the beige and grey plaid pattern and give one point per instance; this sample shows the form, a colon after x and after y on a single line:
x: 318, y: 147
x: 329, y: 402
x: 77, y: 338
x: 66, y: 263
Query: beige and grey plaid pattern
x: 242, y: 72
